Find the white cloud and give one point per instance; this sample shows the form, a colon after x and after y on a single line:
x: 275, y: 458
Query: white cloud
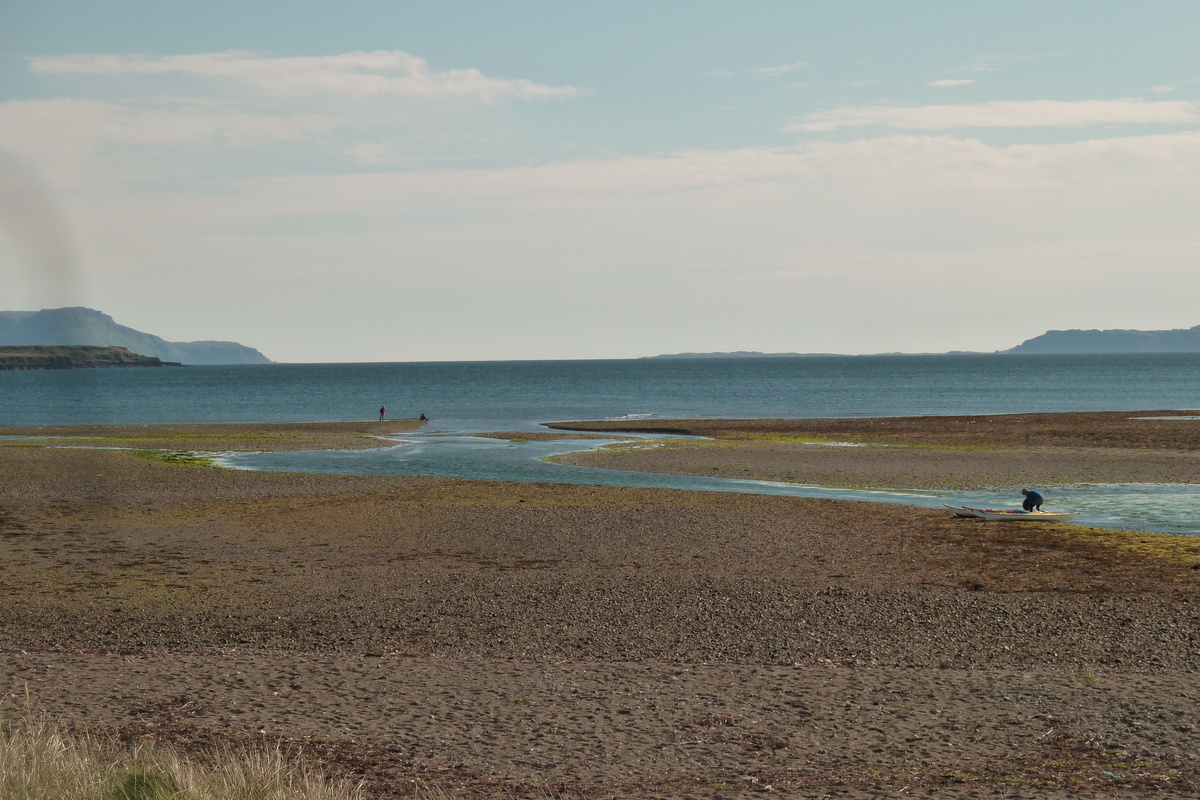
x: 951, y: 83
x: 1162, y: 89
x: 1002, y: 114
x: 782, y: 69
x: 373, y: 154
x: 178, y: 104
x: 355, y: 74
x: 997, y: 62
x: 62, y: 133
x: 865, y: 172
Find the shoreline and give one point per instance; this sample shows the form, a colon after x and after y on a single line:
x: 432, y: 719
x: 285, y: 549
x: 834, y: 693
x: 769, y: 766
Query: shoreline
x: 1008, y: 451
x: 235, y: 436
x: 496, y: 639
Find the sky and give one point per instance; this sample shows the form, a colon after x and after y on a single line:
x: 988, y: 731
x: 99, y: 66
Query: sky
x: 418, y: 181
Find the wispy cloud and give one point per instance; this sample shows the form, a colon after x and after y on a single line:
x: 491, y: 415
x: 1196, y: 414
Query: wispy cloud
x: 950, y: 83
x: 139, y: 108
x: 900, y: 163
x: 62, y: 132
x: 1002, y: 114
x: 392, y: 72
x: 1162, y: 89
x: 369, y: 154
x: 997, y: 62
x: 783, y: 69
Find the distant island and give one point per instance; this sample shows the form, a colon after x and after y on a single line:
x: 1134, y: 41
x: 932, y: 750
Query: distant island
x: 1068, y: 342
x: 740, y: 354
x: 85, y: 326
x: 79, y: 356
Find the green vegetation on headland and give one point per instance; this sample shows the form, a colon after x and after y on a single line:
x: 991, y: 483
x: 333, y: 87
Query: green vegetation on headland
x: 74, y: 357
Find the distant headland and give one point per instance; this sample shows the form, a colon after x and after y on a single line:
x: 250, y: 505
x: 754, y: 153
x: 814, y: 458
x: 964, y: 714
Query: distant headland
x: 69, y: 327
x: 77, y: 356
x: 1068, y: 342
x: 1179, y: 340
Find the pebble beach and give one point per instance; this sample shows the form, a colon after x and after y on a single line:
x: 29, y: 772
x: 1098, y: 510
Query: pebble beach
x: 532, y: 640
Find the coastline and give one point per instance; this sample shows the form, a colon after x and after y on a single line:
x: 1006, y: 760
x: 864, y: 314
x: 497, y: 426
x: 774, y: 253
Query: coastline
x: 491, y: 638
x: 1006, y: 451
x: 217, y: 437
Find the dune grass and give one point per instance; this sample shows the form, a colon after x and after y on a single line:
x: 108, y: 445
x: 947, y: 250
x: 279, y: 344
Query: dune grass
x: 39, y: 759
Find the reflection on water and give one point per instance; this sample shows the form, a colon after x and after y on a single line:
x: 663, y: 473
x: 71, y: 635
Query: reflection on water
x: 1164, y: 508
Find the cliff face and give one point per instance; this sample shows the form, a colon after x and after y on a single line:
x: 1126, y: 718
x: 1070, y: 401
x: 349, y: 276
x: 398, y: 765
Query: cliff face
x: 1113, y: 341
x: 86, y: 326
x: 74, y: 357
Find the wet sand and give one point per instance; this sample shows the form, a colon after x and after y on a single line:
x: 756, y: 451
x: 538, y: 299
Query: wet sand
x: 1008, y: 451
x: 501, y: 639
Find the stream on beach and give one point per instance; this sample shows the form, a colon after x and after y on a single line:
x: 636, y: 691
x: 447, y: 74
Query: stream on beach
x: 1157, y: 508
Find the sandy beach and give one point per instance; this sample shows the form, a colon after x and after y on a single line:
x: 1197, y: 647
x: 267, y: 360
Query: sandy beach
x: 969, y: 452
x: 533, y: 640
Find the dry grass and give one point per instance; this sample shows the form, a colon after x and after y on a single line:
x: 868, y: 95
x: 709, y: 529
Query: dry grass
x: 39, y: 759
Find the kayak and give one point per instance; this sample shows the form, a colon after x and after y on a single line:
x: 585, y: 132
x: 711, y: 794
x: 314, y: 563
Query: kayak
x: 962, y: 511
x: 1015, y: 515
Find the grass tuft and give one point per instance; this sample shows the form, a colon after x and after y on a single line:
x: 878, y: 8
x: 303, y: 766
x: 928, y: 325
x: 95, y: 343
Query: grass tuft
x: 39, y: 759
x: 183, y: 458
x: 141, y: 785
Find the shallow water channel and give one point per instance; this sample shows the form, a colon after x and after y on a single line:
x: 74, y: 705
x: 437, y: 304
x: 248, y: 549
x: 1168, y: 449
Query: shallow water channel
x: 1162, y: 508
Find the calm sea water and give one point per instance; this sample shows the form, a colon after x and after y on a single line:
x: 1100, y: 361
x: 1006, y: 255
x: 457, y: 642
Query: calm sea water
x: 523, y: 393
x: 465, y: 397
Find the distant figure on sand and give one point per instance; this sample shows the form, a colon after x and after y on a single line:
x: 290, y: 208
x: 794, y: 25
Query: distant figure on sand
x: 424, y: 418
x: 382, y: 411
x: 1033, y: 500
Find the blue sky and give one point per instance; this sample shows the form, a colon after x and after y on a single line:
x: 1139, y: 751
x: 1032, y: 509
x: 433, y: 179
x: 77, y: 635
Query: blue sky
x: 467, y: 180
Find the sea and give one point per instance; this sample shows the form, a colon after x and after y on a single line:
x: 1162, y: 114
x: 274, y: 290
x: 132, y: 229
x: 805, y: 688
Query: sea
x: 462, y: 398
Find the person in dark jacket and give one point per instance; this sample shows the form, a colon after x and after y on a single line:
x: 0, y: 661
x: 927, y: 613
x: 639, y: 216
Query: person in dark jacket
x: 1033, y: 500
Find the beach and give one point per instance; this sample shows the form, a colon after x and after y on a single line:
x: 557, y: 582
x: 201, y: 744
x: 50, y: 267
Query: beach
x: 526, y: 640
x: 952, y: 452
